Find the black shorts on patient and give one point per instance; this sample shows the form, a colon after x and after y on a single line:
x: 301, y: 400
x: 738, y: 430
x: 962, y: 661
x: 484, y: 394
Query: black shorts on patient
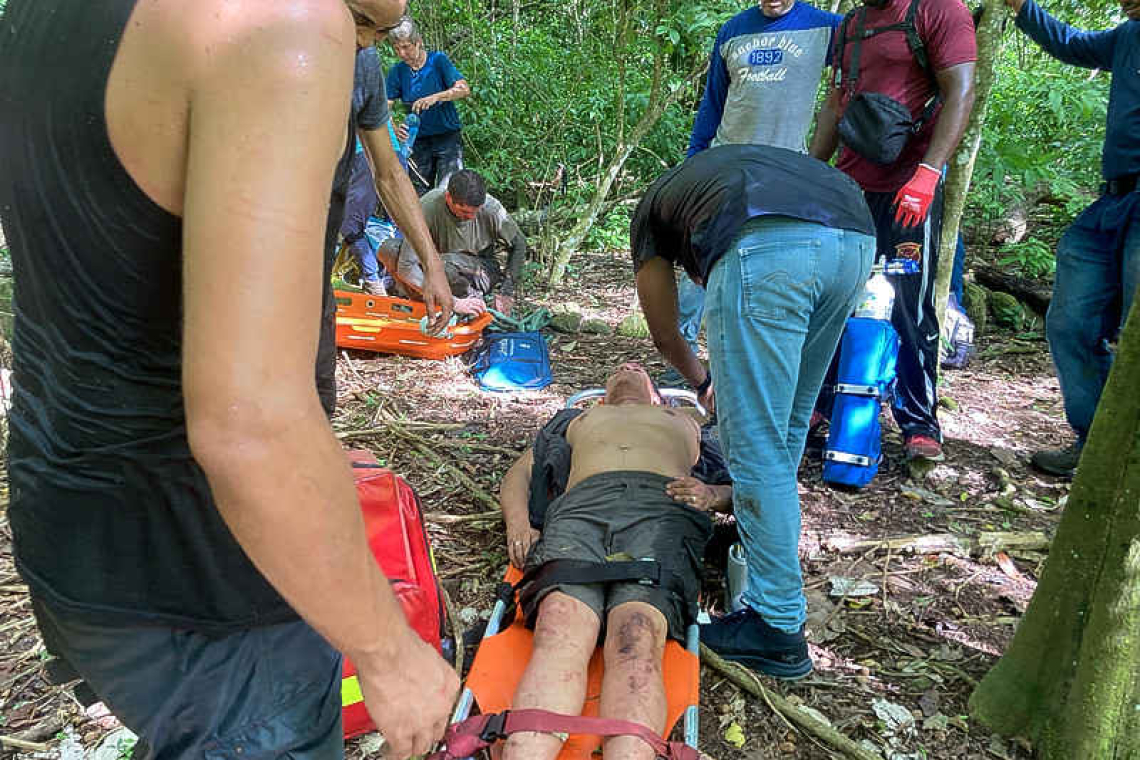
x: 622, y: 516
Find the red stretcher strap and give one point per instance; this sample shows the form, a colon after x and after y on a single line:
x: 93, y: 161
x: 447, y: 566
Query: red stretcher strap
x: 481, y: 731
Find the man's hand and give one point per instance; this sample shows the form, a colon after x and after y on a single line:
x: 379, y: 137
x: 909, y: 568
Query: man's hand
x: 424, y: 103
x: 708, y: 398
x: 437, y: 297
x: 410, y: 696
x: 696, y: 494
x: 519, y: 541
x: 402, y: 132
x: 915, y: 197
x: 470, y: 307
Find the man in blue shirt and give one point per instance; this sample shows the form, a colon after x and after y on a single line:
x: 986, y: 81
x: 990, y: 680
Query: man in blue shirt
x: 764, y: 73
x: 1098, y: 258
x: 428, y: 83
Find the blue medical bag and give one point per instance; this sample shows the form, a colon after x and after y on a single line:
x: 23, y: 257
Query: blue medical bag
x: 515, y: 361
x: 866, y: 377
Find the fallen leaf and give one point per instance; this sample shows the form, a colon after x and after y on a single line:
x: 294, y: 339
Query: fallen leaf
x: 1007, y: 566
x: 896, y: 718
x: 734, y: 735
x: 849, y: 587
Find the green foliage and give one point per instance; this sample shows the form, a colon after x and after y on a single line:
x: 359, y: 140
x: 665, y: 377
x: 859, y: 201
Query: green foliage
x: 612, y: 232
x: 1044, y: 131
x: 125, y: 747
x: 544, y: 79
x: 1032, y: 255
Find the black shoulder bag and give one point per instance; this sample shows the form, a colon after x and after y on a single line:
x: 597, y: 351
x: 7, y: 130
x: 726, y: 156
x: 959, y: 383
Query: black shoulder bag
x: 874, y: 125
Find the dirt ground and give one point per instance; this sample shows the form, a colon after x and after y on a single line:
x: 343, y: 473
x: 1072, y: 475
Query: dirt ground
x: 896, y: 657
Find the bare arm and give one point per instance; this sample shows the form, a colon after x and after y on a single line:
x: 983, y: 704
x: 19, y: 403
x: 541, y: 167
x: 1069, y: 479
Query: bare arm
x: 956, y: 84
x: 826, y: 139
x: 399, y: 198
x: 657, y: 291
x: 278, y: 475
x: 515, y: 260
x: 457, y: 91
x: 514, y: 497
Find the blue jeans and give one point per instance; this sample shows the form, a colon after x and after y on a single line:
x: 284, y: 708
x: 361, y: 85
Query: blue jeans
x: 958, y: 273
x: 1098, y: 271
x: 775, y: 309
x: 360, y: 203
x: 690, y: 309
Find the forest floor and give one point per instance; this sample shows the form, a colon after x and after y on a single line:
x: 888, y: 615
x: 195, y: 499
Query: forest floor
x: 896, y: 656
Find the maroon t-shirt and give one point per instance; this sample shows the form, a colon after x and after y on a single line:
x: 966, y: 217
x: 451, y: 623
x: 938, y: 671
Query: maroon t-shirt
x: 887, y: 66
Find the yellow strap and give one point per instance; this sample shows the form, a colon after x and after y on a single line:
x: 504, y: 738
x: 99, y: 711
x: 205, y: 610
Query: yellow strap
x: 350, y: 692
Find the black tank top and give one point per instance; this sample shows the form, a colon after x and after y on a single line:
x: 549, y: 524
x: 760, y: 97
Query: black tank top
x: 111, y: 517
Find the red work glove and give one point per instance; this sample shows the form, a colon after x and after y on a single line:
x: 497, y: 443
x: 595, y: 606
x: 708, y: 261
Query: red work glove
x: 913, y: 200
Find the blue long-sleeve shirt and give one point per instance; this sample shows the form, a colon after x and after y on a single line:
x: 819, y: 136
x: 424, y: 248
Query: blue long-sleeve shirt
x: 762, y: 80
x: 1116, y: 50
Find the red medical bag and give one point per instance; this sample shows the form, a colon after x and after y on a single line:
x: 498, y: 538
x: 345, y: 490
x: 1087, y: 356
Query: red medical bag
x: 394, y: 525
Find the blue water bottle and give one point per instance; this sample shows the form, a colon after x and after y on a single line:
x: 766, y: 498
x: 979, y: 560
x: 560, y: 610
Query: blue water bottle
x: 412, y: 124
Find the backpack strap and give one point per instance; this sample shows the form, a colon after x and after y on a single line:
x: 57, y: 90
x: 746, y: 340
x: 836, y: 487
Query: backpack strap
x: 907, y: 26
x: 481, y: 731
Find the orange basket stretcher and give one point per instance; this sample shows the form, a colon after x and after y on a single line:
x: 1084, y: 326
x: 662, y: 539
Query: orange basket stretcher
x: 391, y: 325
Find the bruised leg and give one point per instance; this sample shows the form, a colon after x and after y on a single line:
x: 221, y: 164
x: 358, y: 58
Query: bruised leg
x: 633, y: 687
x: 565, y: 633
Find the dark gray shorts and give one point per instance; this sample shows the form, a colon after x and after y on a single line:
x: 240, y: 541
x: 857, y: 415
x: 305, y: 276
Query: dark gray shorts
x: 623, y: 516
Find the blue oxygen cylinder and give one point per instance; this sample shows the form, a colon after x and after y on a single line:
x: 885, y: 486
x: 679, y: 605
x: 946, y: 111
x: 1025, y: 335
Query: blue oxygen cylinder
x: 868, y: 352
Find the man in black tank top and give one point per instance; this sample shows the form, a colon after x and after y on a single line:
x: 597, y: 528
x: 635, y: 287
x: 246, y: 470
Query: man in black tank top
x: 182, y: 513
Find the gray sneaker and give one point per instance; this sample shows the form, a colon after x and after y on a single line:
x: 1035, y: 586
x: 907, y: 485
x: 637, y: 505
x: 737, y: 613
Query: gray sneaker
x: 1060, y: 462
x: 374, y: 288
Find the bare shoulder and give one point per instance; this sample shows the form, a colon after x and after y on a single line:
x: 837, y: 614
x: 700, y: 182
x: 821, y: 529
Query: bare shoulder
x: 295, y: 27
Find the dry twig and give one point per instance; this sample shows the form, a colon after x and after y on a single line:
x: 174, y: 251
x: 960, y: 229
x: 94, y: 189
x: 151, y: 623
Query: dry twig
x: 11, y: 741
x: 439, y: 517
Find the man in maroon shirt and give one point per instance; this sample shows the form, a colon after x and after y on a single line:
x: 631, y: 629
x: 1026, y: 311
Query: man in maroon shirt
x: 905, y: 195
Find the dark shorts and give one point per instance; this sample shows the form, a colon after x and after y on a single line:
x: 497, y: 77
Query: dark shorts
x: 623, y: 516
x: 257, y: 694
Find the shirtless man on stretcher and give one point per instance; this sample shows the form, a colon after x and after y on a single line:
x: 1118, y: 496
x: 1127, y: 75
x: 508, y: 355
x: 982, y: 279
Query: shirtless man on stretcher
x: 629, y: 496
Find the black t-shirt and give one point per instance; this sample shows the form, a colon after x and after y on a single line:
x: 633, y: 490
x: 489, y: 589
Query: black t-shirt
x: 693, y: 212
x: 112, y: 518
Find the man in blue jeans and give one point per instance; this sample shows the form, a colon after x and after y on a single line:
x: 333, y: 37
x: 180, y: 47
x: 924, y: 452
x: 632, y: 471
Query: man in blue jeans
x: 783, y: 244
x: 1098, y: 258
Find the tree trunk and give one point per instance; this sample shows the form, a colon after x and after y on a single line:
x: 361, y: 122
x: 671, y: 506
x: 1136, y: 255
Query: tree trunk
x: 990, y: 46
x: 1070, y: 679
